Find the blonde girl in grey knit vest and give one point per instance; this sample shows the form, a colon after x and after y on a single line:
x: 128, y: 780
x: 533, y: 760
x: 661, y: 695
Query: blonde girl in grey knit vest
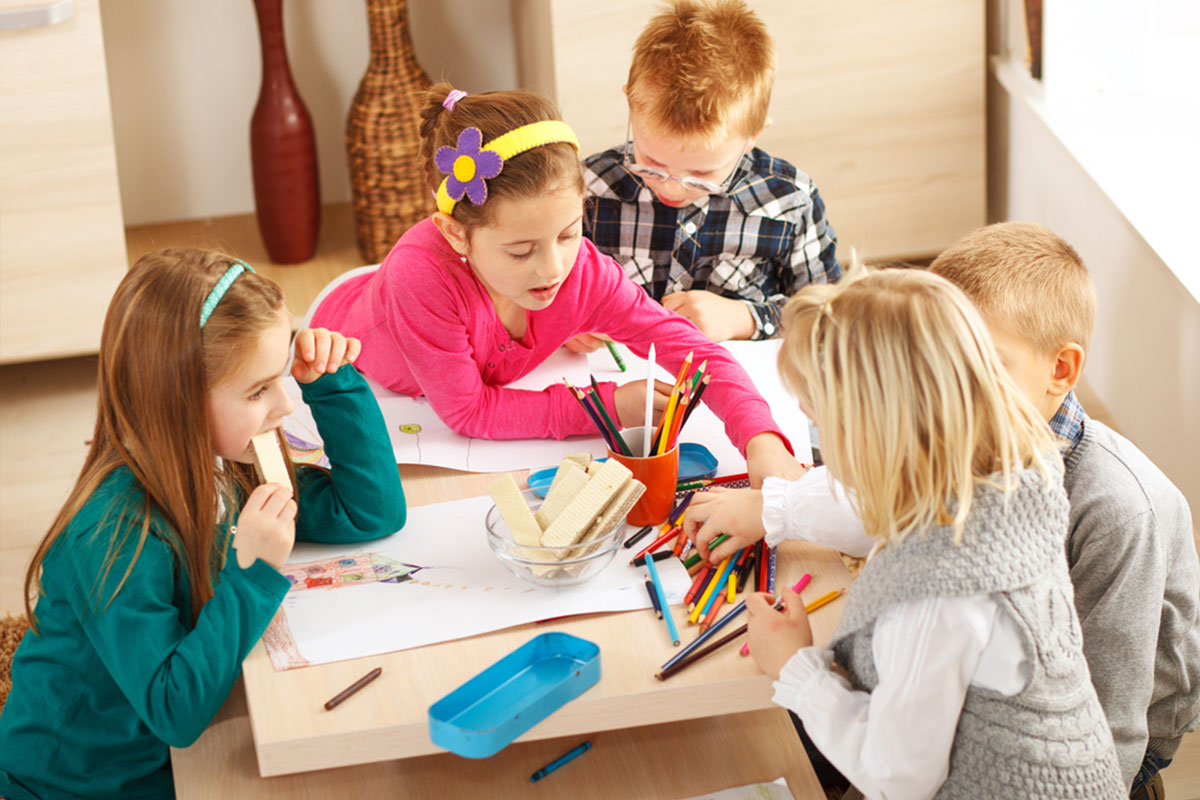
x: 962, y: 668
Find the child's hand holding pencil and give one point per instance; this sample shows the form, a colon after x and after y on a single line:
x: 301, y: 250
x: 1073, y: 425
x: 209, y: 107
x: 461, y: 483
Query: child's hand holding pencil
x: 734, y: 512
x: 776, y: 636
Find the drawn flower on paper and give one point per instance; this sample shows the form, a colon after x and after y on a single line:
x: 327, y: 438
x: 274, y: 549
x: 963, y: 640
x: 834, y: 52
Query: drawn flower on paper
x: 466, y: 166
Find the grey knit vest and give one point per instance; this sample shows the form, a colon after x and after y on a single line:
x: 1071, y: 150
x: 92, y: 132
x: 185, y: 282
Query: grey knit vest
x: 1050, y: 740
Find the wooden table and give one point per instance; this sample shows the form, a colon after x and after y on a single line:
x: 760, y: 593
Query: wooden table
x: 711, y: 726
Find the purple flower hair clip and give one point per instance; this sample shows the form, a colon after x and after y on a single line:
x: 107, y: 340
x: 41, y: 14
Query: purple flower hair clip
x: 467, y: 166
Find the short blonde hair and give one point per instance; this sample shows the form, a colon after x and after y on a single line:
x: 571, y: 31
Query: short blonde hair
x: 1025, y: 280
x: 703, y: 69
x: 913, y: 404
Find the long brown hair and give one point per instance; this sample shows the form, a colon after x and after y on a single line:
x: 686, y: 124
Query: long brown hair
x: 528, y: 174
x: 156, y: 366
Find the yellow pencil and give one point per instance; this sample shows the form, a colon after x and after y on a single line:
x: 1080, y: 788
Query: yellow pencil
x: 731, y: 592
x: 668, y: 415
x: 694, y: 617
x: 824, y: 599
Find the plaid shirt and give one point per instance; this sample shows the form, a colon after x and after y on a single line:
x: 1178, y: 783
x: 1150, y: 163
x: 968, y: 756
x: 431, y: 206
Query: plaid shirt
x: 1067, y: 422
x: 760, y: 242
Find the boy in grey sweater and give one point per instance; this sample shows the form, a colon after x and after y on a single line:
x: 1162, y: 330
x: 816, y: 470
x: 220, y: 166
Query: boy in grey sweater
x: 1130, y: 543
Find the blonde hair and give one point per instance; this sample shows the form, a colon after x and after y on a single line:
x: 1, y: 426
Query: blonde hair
x: 913, y: 405
x: 703, y: 70
x: 1026, y: 281
x: 155, y: 368
x: 528, y: 174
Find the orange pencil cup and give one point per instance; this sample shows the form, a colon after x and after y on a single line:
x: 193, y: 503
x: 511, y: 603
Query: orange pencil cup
x: 658, y: 473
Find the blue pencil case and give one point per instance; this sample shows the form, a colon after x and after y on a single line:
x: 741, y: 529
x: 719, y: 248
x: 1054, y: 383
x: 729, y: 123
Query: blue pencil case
x: 481, y: 717
x: 695, y: 463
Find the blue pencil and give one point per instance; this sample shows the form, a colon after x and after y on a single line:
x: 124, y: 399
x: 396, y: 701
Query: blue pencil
x: 708, y: 634
x: 771, y: 570
x: 720, y: 583
x: 662, y: 600
x: 558, y: 762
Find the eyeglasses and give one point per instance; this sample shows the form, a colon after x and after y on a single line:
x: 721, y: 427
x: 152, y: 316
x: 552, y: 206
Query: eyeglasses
x: 688, y: 182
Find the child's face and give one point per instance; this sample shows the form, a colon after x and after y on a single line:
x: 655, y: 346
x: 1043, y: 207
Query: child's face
x: 1032, y: 371
x: 252, y: 399
x: 714, y: 162
x: 527, y: 251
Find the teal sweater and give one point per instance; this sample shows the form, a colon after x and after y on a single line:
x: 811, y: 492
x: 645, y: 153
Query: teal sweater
x: 102, y: 692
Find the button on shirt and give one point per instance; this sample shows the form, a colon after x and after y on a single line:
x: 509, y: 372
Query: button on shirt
x: 763, y: 240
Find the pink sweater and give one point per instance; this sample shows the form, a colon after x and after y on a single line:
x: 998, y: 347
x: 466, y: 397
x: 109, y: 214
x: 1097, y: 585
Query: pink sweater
x: 428, y: 327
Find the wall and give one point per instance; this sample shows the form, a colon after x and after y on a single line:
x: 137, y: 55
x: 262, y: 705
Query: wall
x: 1145, y: 357
x: 184, y: 79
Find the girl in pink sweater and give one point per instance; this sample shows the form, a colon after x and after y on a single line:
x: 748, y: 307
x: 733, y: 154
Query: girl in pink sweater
x: 500, y: 276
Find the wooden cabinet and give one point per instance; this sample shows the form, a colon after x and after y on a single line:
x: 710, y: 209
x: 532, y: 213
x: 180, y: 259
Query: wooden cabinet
x: 881, y: 102
x: 62, y: 238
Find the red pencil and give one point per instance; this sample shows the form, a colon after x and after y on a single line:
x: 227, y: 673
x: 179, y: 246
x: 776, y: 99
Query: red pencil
x: 711, y: 616
x: 701, y: 579
x: 657, y: 543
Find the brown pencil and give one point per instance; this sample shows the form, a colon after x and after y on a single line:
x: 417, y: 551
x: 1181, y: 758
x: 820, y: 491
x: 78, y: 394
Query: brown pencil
x: 352, y: 688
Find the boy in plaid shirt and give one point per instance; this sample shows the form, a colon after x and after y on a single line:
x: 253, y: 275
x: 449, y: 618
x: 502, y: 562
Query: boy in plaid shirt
x: 707, y: 223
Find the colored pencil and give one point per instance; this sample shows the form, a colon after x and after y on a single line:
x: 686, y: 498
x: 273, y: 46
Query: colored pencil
x: 649, y: 403
x: 823, y: 600
x: 591, y: 412
x: 683, y: 368
x: 771, y: 570
x: 680, y: 507
x: 719, y: 583
x: 558, y: 762
x: 657, y: 543
x: 608, y: 420
x: 678, y: 548
x: 695, y: 557
x: 731, y: 591
x: 653, y: 598
x: 701, y: 577
x: 676, y: 423
x: 702, y: 604
x: 711, y: 616
x: 664, y: 427
x: 341, y: 696
x: 722, y: 622
x: 612, y: 349
x: 662, y: 600
x: 638, y: 536
x: 746, y: 567
x: 667, y: 672
x: 695, y: 400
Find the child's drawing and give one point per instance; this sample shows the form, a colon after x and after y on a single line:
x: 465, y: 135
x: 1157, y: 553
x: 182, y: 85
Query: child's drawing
x: 349, y: 570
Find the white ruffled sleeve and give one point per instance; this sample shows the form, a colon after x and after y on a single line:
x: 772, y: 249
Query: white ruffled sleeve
x: 814, y: 509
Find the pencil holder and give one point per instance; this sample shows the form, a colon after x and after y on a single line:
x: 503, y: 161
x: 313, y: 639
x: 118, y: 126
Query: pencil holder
x: 659, y: 474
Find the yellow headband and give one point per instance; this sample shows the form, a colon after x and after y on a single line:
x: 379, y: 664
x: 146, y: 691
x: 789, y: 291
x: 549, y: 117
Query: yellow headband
x: 466, y: 166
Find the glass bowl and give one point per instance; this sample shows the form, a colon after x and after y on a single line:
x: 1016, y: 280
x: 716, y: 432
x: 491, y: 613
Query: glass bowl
x: 552, y: 566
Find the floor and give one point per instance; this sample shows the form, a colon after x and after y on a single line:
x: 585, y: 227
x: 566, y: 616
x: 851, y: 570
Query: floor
x: 47, y: 411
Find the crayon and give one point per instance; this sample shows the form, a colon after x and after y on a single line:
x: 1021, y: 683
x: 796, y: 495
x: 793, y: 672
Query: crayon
x: 558, y: 762
x: 341, y: 696
x: 638, y: 536
x: 612, y: 348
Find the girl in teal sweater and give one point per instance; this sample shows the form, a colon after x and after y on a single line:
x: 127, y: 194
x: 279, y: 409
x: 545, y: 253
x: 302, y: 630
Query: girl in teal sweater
x: 161, y: 571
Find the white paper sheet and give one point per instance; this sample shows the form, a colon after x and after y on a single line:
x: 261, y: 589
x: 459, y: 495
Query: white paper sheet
x: 419, y: 437
x: 458, y: 588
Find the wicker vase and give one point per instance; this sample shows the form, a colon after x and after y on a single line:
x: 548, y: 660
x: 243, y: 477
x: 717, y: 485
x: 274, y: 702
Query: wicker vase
x: 283, y: 151
x: 383, y: 135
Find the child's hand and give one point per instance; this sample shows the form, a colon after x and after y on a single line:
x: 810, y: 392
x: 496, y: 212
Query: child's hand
x: 319, y: 351
x: 719, y: 318
x: 766, y: 457
x: 735, y: 512
x: 266, y: 526
x: 776, y: 636
x: 631, y: 403
x: 586, y: 343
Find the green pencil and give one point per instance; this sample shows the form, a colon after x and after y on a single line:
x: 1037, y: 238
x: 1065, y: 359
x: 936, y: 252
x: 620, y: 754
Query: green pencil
x: 612, y: 348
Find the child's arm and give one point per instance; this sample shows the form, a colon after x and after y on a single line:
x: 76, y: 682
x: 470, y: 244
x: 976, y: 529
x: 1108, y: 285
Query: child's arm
x: 894, y: 741
x: 360, y: 497
x: 620, y: 308
x: 442, y: 336
x: 174, y: 676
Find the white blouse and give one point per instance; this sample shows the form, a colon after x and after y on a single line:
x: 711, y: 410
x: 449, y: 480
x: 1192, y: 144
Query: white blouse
x: 893, y: 742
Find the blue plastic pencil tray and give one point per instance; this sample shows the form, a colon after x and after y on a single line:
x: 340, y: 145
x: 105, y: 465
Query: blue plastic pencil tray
x: 481, y: 717
x: 695, y: 462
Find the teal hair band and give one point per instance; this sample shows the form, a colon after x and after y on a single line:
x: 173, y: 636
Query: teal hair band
x: 218, y: 291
